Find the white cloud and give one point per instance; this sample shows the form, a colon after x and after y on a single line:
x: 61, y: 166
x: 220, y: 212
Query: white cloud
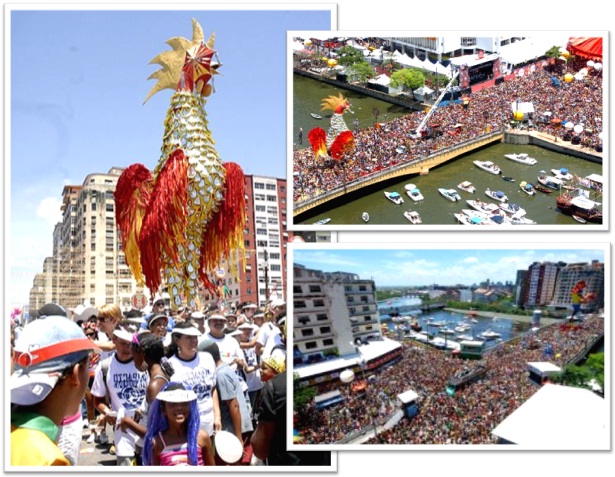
x: 470, y: 260
x: 49, y: 210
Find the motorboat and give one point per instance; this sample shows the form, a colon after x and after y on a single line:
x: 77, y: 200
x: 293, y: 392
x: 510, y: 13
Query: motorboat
x: 413, y: 216
x: 394, y: 197
x: 446, y: 331
x: 488, y: 166
x: 512, y: 209
x: 490, y: 218
x: 473, y: 219
x: 522, y: 220
x: 467, y: 186
x: 462, y: 328
x: 490, y: 335
x: 562, y: 174
x: 509, y: 179
x: 522, y: 158
x: 581, y: 220
x: 365, y: 217
x: 489, y: 207
x: 450, y: 194
x: 496, y: 195
x: 550, y: 181
x: 413, y: 192
x: 323, y: 221
x: 438, y: 324
x: 527, y: 187
x: 316, y: 116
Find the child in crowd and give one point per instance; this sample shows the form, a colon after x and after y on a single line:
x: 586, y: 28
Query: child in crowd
x: 173, y: 436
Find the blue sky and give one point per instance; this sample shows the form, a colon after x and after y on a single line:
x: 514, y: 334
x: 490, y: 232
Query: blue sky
x: 78, y: 81
x: 403, y: 267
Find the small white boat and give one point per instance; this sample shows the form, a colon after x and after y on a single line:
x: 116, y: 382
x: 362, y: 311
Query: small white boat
x: 450, y: 194
x: 413, y: 192
x: 562, y: 174
x: 323, y: 221
x: 394, y: 197
x: 483, y: 206
x: 467, y: 186
x: 365, y: 217
x: 413, y: 216
x: 473, y: 219
x: 496, y: 195
x: 579, y: 219
x: 522, y: 158
x: 490, y: 335
x: 527, y: 188
x: 316, y: 116
x: 446, y: 331
x: 512, y: 209
x: 521, y: 220
x: 488, y: 166
x: 490, y: 218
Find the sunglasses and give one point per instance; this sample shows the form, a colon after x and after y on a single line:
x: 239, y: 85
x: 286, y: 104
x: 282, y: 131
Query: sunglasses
x: 159, y: 304
x: 90, y: 334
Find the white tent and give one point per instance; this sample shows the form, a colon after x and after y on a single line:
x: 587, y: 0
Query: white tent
x: 531, y: 48
x: 421, y: 93
x: 524, y: 107
x: 559, y: 418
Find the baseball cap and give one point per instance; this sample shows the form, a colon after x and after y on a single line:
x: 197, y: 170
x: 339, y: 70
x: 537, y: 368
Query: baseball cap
x: 44, y: 349
x: 250, y: 305
x: 176, y: 395
x: 123, y: 334
x: 216, y: 316
x: 197, y: 315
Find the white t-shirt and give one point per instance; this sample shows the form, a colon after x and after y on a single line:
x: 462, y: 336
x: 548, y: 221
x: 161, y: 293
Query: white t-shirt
x: 268, y: 337
x: 199, y: 374
x: 127, y: 388
x: 228, y: 346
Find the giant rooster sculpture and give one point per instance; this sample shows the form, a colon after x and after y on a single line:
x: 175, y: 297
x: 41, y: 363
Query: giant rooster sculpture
x: 339, y: 140
x: 178, y: 223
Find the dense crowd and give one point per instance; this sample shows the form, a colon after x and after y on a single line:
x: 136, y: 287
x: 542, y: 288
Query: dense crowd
x: 488, y: 110
x: 467, y: 417
x: 171, y: 387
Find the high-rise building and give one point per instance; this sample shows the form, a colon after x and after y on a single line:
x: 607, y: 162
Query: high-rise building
x: 540, y: 283
x: 569, y: 275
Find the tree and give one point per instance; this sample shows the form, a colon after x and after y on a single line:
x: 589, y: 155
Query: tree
x: 553, y: 52
x: 303, y: 396
x: 349, y: 56
x: 361, y: 71
x: 409, y: 78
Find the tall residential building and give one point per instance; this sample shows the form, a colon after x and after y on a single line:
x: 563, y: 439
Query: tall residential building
x: 569, y: 275
x: 520, y: 287
x: 330, y: 312
x: 88, y: 263
x: 265, y: 238
x: 540, y: 283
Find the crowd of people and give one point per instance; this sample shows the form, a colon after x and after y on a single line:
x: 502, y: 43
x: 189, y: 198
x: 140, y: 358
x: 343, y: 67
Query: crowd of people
x: 471, y: 413
x: 171, y: 387
x: 487, y: 110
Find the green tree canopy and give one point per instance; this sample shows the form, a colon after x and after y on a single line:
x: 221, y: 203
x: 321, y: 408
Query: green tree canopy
x: 409, y: 78
x: 302, y: 396
x: 361, y: 71
x: 349, y: 56
x: 553, y: 52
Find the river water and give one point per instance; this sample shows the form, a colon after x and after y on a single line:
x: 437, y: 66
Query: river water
x: 434, y: 209
x: 507, y: 328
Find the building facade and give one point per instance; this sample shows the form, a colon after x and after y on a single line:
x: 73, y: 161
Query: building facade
x: 331, y: 311
x: 540, y: 283
x: 569, y: 275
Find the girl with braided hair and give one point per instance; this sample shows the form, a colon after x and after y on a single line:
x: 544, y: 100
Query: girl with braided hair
x: 173, y: 436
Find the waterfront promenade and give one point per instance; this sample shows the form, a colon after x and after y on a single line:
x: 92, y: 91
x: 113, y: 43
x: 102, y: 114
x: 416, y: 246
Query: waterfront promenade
x: 520, y: 318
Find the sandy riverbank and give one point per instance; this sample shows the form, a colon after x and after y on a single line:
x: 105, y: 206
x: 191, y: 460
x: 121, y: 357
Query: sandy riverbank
x: 521, y: 318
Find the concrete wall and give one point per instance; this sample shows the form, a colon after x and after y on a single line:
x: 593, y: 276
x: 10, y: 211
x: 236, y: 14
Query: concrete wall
x: 539, y: 139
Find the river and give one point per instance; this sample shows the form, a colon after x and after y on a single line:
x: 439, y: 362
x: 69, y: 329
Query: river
x: 434, y: 209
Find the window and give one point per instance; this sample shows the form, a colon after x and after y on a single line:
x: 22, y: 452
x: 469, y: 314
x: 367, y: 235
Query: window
x: 319, y: 303
x: 299, y: 304
x: 367, y: 318
x: 259, y: 185
x: 365, y: 308
x: 327, y: 342
x: 362, y: 288
x: 260, y: 208
x: 315, y: 288
x: 322, y: 317
x: 297, y: 289
x: 270, y: 186
x: 259, y: 196
x: 271, y: 209
x: 325, y: 329
x: 310, y: 345
x: 261, y: 231
x: 274, y: 256
x: 275, y: 268
x: 303, y: 320
x: 109, y: 207
x: 272, y: 198
x: 307, y: 332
